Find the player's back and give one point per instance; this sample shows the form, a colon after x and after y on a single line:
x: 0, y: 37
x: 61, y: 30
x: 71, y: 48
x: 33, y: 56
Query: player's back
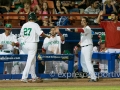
x: 31, y: 32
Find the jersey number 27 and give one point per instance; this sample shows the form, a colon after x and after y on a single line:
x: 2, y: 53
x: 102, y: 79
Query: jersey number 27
x: 27, y: 31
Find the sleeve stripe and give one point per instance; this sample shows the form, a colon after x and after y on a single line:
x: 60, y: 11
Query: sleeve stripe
x: 80, y: 30
x: 43, y: 50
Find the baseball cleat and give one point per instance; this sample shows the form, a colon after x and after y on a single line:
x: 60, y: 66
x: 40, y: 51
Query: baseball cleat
x: 24, y: 80
x: 36, y: 80
x: 93, y: 80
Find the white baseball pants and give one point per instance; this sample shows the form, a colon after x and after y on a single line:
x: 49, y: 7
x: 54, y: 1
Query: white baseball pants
x: 31, y: 60
x: 55, y: 66
x: 22, y: 65
x: 86, y: 57
x: 15, y: 68
x: 48, y: 67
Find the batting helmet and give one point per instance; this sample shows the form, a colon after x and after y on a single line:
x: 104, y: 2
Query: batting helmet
x: 32, y: 16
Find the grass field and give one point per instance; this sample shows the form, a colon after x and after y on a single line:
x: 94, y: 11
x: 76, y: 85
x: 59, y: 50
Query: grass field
x: 62, y: 84
x: 65, y: 88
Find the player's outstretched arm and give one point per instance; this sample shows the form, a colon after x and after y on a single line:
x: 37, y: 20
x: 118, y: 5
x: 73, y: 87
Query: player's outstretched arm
x: 99, y: 17
x: 77, y: 30
x: 44, y: 35
x: 15, y: 44
x: 59, y: 33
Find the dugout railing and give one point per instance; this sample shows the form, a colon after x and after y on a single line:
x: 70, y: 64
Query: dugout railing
x: 44, y: 57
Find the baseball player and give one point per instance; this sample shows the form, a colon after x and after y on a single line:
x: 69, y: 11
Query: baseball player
x: 52, y: 45
x: 86, y: 47
x: 7, y: 43
x: 31, y: 32
x: 112, y: 32
x: 101, y: 48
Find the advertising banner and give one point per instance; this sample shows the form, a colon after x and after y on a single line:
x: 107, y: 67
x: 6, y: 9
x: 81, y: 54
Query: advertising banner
x: 69, y: 36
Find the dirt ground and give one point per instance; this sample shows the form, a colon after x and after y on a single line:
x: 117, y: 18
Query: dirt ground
x: 61, y: 82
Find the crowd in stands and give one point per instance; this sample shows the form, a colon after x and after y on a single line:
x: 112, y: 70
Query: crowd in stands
x: 56, y: 7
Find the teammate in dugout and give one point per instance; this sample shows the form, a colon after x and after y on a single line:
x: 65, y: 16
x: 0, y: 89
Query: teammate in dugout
x: 86, y: 47
x: 8, y: 42
x: 31, y: 32
x: 112, y: 31
x: 52, y: 45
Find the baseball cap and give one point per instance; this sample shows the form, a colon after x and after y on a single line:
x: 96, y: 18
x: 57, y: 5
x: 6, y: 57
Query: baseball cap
x: 102, y: 38
x: 8, y: 25
x: 66, y: 52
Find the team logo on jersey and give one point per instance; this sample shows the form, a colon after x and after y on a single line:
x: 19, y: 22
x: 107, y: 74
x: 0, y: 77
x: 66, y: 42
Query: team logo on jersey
x: 6, y: 42
x: 53, y: 42
x: 118, y: 28
x: 23, y: 43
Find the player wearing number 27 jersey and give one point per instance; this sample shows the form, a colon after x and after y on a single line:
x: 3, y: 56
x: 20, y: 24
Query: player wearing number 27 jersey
x: 31, y: 32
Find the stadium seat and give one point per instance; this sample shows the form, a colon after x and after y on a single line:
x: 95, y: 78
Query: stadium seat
x: 11, y: 19
x: 51, y: 7
x: 74, y: 17
x: 75, y: 20
x: 50, y: 4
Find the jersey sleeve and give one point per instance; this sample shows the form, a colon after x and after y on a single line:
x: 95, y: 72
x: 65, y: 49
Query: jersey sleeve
x: 45, y: 44
x: 38, y: 30
x: 62, y: 41
x: 87, y: 30
x: 15, y: 39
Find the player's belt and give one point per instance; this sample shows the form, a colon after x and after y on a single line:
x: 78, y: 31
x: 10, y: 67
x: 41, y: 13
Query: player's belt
x: 6, y: 51
x: 86, y: 45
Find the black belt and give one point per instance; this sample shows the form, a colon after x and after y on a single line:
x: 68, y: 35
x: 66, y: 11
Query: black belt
x: 6, y: 51
x: 86, y: 45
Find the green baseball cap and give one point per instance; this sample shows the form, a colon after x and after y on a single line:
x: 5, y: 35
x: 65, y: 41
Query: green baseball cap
x: 102, y: 38
x: 66, y: 52
x: 8, y: 25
